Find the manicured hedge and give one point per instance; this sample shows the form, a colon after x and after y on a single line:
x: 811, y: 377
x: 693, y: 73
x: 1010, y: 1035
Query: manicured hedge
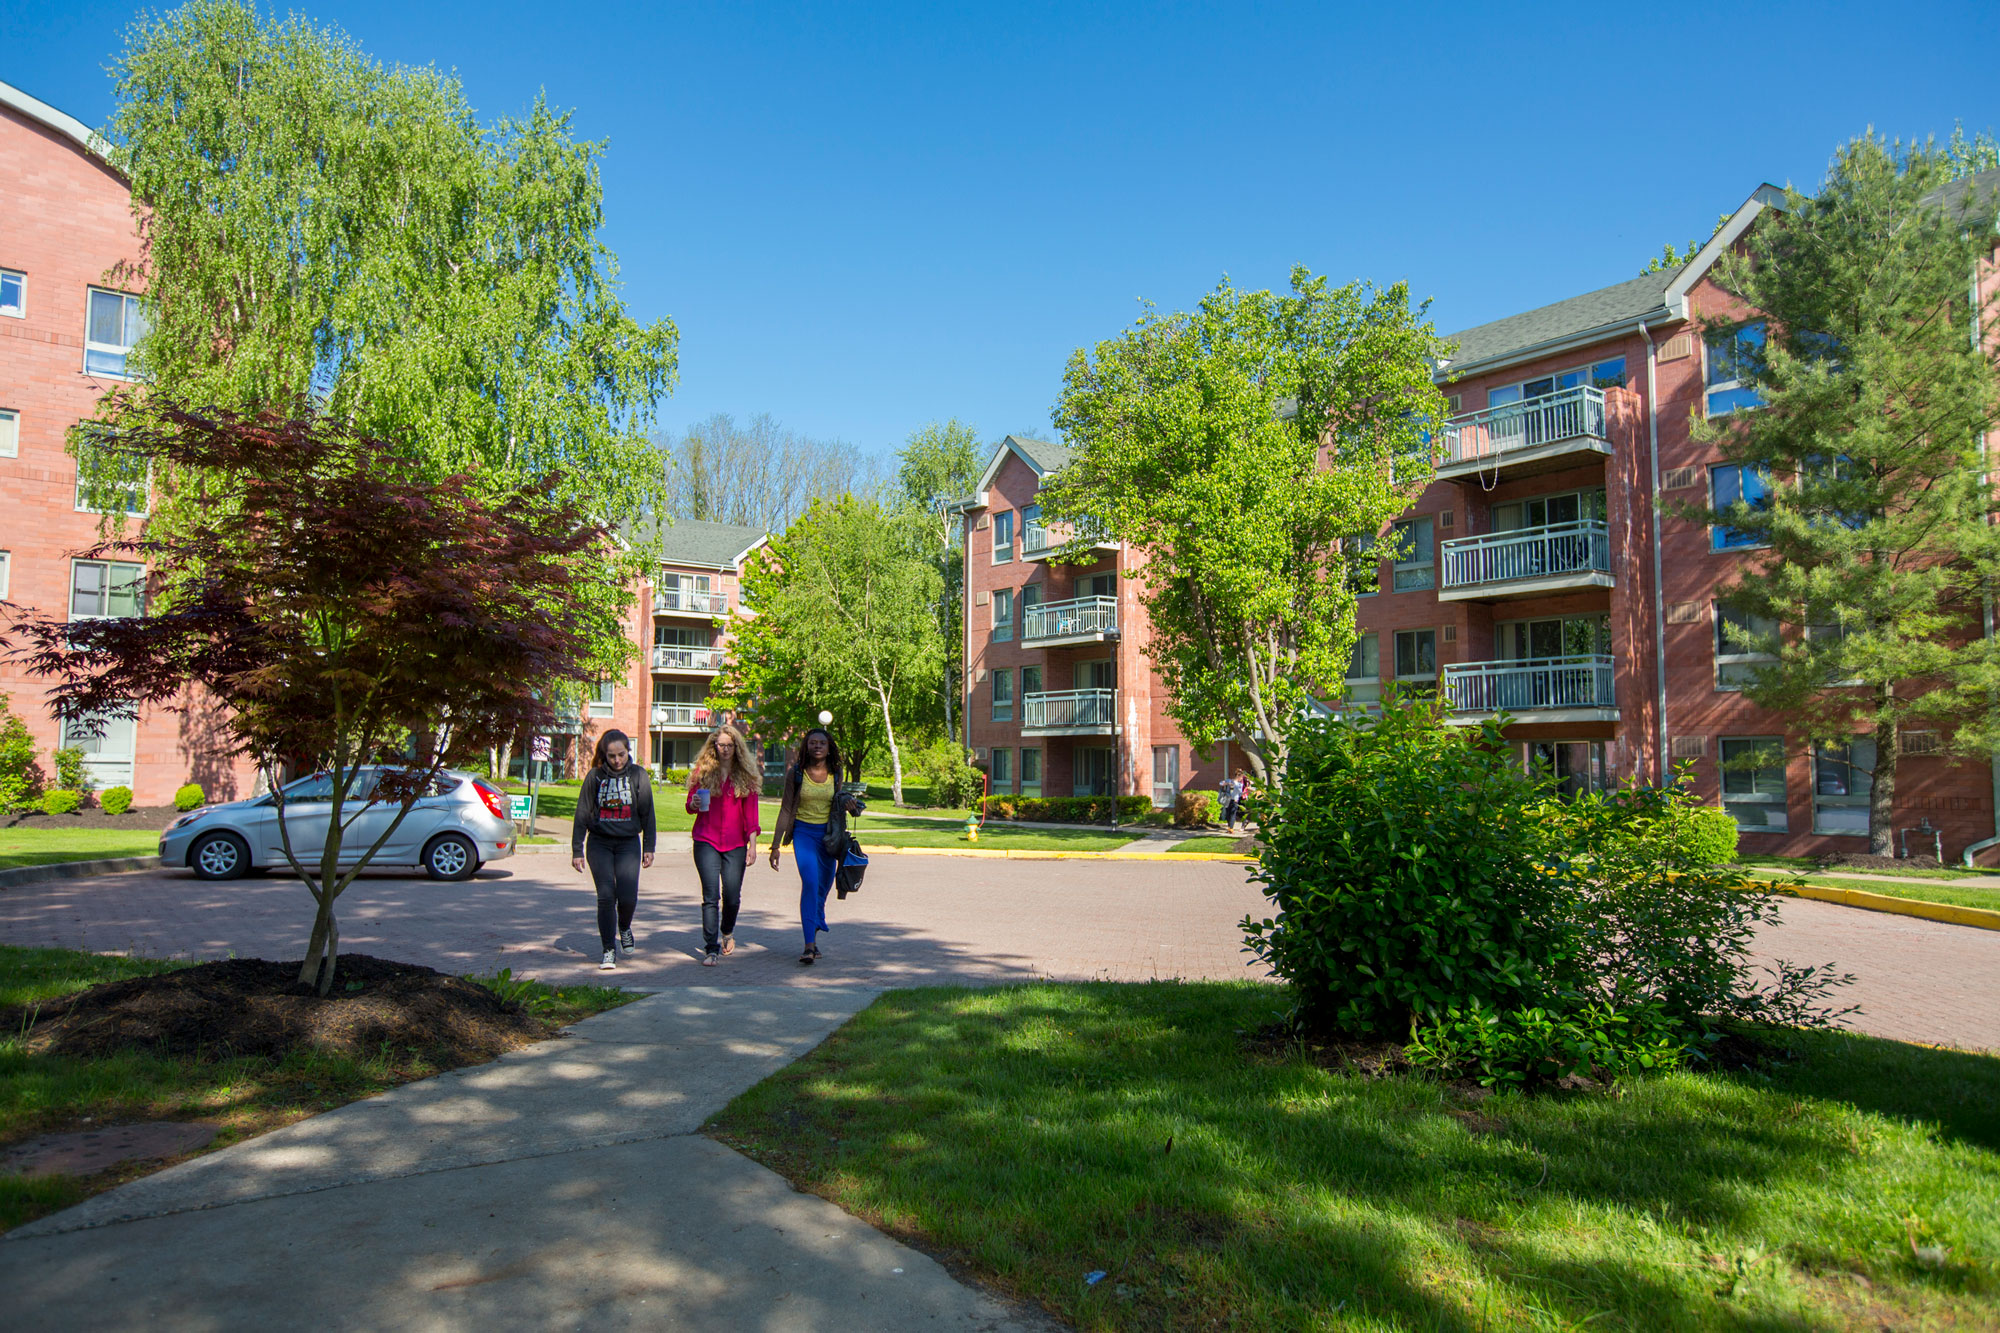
x: 1067, y: 809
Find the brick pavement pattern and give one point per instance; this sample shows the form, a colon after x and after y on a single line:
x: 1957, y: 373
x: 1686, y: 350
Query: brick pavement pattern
x: 920, y: 921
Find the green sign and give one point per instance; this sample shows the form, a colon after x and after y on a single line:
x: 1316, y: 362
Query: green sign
x: 520, y: 807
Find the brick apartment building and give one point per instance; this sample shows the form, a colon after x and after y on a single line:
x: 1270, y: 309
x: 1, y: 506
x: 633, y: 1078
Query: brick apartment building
x: 1541, y: 579
x: 65, y: 331
x: 685, y: 613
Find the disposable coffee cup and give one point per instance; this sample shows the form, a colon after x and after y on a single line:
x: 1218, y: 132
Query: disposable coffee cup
x: 701, y: 799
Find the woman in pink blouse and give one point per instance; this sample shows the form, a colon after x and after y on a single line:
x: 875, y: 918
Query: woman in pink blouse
x: 723, y: 787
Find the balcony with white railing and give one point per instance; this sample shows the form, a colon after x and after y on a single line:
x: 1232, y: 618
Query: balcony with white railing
x: 1563, y: 557
x: 681, y: 602
x: 1535, y: 689
x: 1070, y: 713
x: 1041, y: 540
x: 697, y: 661
x: 680, y: 717
x: 1543, y: 434
x: 1079, y: 620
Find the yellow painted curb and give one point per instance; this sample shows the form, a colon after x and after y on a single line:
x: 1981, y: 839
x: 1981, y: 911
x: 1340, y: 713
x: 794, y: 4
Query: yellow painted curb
x: 1056, y: 855
x: 1978, y: 917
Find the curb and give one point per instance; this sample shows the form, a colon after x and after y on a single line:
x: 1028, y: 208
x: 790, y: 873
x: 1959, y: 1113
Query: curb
x: 1951, y: 913
x: 76, y: 869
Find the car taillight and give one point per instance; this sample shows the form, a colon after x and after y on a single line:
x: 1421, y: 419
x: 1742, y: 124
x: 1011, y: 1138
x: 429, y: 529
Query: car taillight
x: 496, y: 800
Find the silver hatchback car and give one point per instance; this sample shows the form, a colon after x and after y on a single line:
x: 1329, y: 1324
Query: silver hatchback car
x: 457, y: 827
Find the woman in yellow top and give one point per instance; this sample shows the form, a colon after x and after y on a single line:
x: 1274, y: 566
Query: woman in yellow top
x: 812, y: 785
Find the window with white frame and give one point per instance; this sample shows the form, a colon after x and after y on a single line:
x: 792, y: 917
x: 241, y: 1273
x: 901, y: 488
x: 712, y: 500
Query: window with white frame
x: 1416, y: 557
x: 1753, y: 782
x: 1553, y: 636
x: 1001, y: 772
x: 111, y: 483
x: 1364, y: 672
x: 1003, y: 537
x: 1734, y: 358
x: 1729, y: 483
x: 1416, y: 661
x: 10, y: 433
x: 1031, y: 680
x: 600, y: 699
x: 100, y: 588
x: 1544, y: 511
x: 1828, y: 640
x: 1843, y: 777
x: 1031, y: 771
x: 1743, y: 644
x: 6, y: 572
x: 114, y: 326
x: 13, y: 293
x: 1003, y: 694
x: 107, y: 754
x: 1003, y: 614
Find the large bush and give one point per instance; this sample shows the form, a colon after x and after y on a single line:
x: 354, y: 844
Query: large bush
x: 954, y: 783
x: 70, y: 772
x: 21, y: 778
x: 1195, y: 809
x: 1068, y: 809
x: 60, y: 801
x: 116, y: 800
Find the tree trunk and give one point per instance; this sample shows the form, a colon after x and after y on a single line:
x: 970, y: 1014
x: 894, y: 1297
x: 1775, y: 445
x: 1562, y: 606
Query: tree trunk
x: 322, y: 949
x: 1882, y: 794
x: 895, y: 754
x: 506, y: 759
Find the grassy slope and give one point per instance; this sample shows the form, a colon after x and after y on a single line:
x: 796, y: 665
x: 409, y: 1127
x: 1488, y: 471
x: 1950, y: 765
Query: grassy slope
x: 1990, y: 877
x: 1214, y: 843
x: 44, y: 846
x: 46, y: 1094
x: 1041, y: 1133
x: 1959, y: 894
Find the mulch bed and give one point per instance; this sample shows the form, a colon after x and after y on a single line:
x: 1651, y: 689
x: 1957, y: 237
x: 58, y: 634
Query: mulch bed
x: 153, y: 817
x: 247, y: 1007
x: 1863, y: 861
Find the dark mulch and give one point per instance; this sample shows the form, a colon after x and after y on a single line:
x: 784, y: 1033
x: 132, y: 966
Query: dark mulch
x: 138, y: 817
x: 1863, y: 861
x: 247, y: 1006
x: 1370, y: 1057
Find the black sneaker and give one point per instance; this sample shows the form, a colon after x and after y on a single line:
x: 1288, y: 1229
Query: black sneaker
x: 806, y: 958
x: 625, y: 942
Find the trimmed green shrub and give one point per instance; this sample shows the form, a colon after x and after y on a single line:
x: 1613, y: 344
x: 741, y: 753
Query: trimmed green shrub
x: 70, y: 773
x: 954, y: 783
x: 1711, y: 835
x: 21, y: 778
x: 61, y: 801
x: 676, y: 777
x: 1526, y: 1046
x: 1070, y: 809
x: 190, y: 797
x: 1195, y: 809
x: 116, y: 800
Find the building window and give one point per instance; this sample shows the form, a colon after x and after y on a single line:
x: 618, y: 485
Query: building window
x: 1097, y: 585
x: 1003, y: 695
x: 1608, y: 374
x: 1031, y: 771
x: 1742, y: 646
x: 107, y: 757
x: 1002, y: 771
x: 1555, y: 636
x: 1034, y: 537
x: 1729, y: 483
x: 13, y: 293
x: 1843, y: 776
x: 1166, y: 776
x: 1031, y: 597
x: 1003, y: 537
x: 1366, y: 578
x: 1416, y: 660
x: 6, y: 571
x: 1753, y: 783
x: 118, y: 486
x: 100, y: 588
x: 1364, y: 672
x: 1031, y: 681
x: 600, y: 699
x: 1003, y: 614
x: 114, y: 328
x: 10, y: 433
x: 1544, y: 511
x: 1576, y: 767
x: 1416, y: 559
x: 1734, y: 358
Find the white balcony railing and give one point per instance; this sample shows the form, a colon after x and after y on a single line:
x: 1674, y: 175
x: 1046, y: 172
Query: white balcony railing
x: 1062, y: 709
x: 1581, y: 547
x: 670, y: 658
x: 680, y: 715
x: 679, y: 601
x: 1497, y: 431
x: 1530, y: 685
x: 1062, y: 620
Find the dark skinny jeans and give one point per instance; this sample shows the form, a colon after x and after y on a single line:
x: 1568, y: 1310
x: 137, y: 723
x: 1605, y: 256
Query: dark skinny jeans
x: 721, y: 891
x: 614, y: 869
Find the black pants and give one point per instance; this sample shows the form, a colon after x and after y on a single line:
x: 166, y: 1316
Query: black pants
x: 721, y: 886
x: 614, y: 868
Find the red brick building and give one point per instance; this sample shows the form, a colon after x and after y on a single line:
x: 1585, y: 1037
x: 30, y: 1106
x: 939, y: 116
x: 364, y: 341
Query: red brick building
x: 687, y: 610
x: 66, y: 327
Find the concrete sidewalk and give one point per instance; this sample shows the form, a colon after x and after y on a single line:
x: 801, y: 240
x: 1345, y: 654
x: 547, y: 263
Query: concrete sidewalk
x: 560, y: 1185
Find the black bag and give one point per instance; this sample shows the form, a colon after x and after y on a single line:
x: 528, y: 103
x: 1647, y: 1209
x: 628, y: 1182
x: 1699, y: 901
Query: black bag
x: 849, y: 869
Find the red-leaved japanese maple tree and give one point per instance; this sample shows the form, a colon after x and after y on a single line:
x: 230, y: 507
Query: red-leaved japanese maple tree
x: 340, y: 609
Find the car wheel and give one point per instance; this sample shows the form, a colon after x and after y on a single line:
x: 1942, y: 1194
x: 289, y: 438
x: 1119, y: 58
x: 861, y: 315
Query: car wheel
x: 450, y: 857
x: 219, y: 856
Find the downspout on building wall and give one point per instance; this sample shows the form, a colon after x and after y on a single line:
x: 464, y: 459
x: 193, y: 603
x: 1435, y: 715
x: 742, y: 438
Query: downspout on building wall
x: 1659, y: 589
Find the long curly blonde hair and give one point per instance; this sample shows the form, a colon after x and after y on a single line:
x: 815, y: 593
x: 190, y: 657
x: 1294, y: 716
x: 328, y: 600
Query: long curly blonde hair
x: 743, y: 774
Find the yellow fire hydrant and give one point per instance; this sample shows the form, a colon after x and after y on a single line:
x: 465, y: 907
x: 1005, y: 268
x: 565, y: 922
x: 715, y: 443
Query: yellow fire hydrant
x: 972, y: 827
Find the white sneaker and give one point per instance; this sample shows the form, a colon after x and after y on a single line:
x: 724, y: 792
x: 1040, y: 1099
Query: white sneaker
x: 610, y: 962
x: 626, y: 942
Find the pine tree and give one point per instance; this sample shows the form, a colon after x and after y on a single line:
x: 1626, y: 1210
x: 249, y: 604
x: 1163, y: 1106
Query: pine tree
x: 1867, y: 392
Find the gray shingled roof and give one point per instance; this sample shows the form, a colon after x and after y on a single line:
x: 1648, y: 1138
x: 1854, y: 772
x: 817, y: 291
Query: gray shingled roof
x: 691, y: 541
x: 1619, y: 304
x: 1979, y: 190
x: 1048, y: 455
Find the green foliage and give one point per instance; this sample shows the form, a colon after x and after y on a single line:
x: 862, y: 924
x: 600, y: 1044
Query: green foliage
x: 21, y: 778
x: 189, y: 797
x: 70, y: 772
x: 1874, y: 399
x: 1200, y: 439
x: 116, y: 800
x: 555, y: 1003
x: 61, y: 801
x: 939, y: 463
x: 1194, y: 809
x: 954, y: 783
x: 1711, y: 834
x: 1522, y: 1047
x: 1670, y: 258
x: 675, y: 777
x: 1069, y: 809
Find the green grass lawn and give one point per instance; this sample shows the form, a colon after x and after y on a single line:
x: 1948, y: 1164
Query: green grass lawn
x: 1211, y: 843
x: 1042, y: 1133
x: 44, y: 1094
x: 1960, y: 895
x: 39, y: 844
x: 1806, y: 863
x: 893, y: 831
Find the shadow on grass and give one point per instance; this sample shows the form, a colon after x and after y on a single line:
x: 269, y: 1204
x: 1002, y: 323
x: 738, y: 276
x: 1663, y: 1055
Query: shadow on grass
x: 1041, y: 1133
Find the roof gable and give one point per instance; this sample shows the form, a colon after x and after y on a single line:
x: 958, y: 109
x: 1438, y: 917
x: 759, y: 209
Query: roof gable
x: 1044, y: 456
x: 68, y: 126
x: 704, y: 545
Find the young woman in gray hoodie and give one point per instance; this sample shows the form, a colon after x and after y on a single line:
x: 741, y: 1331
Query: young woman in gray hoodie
x: 615, y: 810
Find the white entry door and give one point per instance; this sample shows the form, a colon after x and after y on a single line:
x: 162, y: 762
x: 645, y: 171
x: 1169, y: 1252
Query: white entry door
x: 1166, y: 775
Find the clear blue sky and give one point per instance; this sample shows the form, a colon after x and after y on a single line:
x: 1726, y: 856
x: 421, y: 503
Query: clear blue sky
x: 864, y: 217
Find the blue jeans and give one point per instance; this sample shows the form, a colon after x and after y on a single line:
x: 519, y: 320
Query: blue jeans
x: 815, y: 877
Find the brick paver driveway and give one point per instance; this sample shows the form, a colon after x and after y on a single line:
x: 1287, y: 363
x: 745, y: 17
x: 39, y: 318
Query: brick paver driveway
x: 922, y: 920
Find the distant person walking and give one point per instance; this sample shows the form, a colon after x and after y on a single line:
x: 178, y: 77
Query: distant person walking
x: 723, y: 787
x: 1235, y: 790
x: 614, y: 810
x: 811, y: 802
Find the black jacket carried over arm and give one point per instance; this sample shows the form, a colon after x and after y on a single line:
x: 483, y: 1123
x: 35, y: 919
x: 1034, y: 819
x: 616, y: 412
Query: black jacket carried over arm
x: 615, y: 804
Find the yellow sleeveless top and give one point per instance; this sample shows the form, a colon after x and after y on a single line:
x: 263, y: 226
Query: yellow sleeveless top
x: 815, y: 800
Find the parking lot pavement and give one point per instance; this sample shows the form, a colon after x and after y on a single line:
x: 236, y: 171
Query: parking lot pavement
x: 920, y: 921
